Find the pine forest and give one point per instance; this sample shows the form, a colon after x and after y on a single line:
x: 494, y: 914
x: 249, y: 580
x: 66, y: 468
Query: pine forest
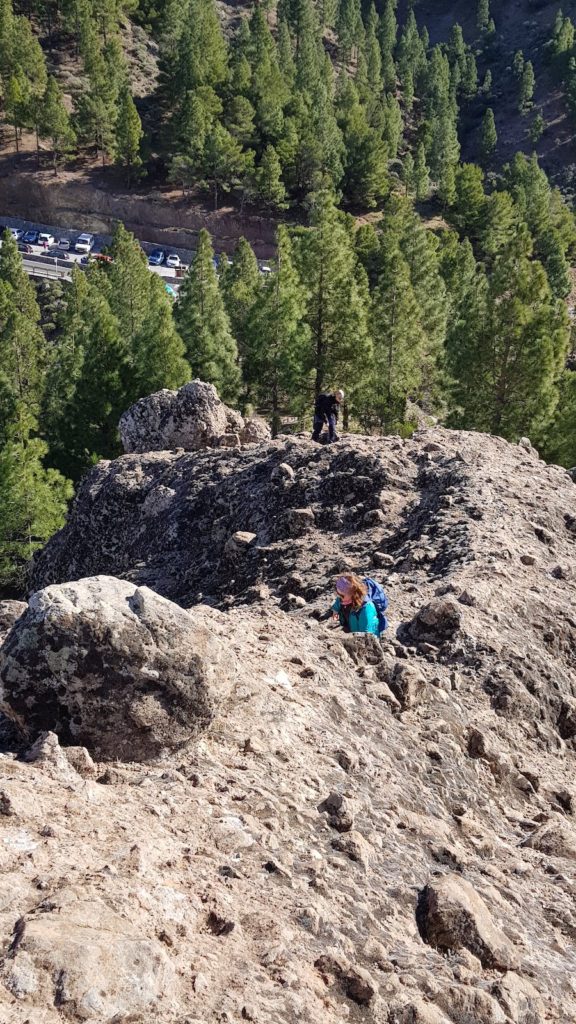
x: 424, y: 225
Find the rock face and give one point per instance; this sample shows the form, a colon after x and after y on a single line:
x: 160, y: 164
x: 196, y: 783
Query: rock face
x: 376, y: 832
x: 112, y: 667
x: 191, y: 418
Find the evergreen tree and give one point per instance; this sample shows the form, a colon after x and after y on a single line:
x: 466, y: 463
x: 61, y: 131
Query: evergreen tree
x: 526, y: 89
x: 421, y: 174
x: 13, y: 274
x: 489, y: 137
x: 398, y: 344
x: 158, y: 353
x: 269, y: 180
x: 128, y: 134
x: 54, y: 122
x: 241, y: 284
x: 224, y: 165
x: 204, y: 326
x: 469, y: 209
x: 559, y: 440
x: 387, y: 36
x: 278, y: 339
x: 483, y: 14
x: 510, y: 351
x: 336, y: 307
x: 536, y: 129
x: 86, y: 391
x: 34, y: 499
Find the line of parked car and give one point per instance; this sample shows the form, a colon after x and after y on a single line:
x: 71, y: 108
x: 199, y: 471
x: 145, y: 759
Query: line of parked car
x: 84, y: 244
x: 26, y: 239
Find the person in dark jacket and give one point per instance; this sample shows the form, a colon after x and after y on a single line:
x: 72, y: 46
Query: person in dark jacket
x: 326, y: 411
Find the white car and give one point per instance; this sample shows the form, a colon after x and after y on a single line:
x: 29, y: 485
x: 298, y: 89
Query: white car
x: 16, y: 233
x: 45, y: 239
x: 84, y: 243
x: 173, y: 260
x: 64, y: 243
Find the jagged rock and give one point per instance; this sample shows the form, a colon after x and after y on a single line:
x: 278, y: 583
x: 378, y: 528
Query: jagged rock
x: 191, y: 418
x: 10, y: 612
x: 519, y: 999
x: 254, y: 431
x: 438, y: 620
x: 408, y: 684
x: 356, y: 982
x: 465, y: 1002
x: 557, y: 839
x: 418, y: 1012
x: 455, y: 916
x: 112, y: 667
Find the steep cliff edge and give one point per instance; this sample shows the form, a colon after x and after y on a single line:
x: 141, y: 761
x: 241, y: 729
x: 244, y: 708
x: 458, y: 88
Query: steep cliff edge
x: 376, y: 833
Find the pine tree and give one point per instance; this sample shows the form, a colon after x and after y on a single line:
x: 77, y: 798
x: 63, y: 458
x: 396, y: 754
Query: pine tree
x: 240, y: 285
x: 559, y: 440
x: 421, y: 174
x: 469, y: 209
x: 54, y: 122
x: 204, y: 326
x: 336, y: 308
x: 34, y: 499
x: 13, y: 274
x: 408, y: 173
x: 526, y: 89
x: 278, y: 338
x: 398, y: 344
x: 269, y: 180
x: 224, y: 164
x: 489, y: 137
x: 483, y: 14
x: 158, y: 353
x: 509, y: 350
x: 387, y: 37
x: 128, y: 134
x: 87, y: 388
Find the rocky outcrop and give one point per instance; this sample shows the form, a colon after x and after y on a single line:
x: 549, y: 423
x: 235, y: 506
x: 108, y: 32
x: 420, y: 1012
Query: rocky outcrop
x: 191, y: 418
x: 453, y: 916
x: 112, y: 667
x: 368, y: 831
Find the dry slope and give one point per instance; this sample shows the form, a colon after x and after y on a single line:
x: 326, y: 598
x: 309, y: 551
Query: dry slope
x: 365, y: 833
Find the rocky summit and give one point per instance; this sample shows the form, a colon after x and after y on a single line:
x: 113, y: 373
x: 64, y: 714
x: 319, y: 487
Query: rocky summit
x: 217, y: 807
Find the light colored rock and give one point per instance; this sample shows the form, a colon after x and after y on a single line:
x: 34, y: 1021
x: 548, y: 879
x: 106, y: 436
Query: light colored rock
x: 556, y: 839
x: 191, y: 418
x: 10, y: 612
x: 112, y: 667
x: 519, y: 999
x: 455, y: 916
x: 88, y: 961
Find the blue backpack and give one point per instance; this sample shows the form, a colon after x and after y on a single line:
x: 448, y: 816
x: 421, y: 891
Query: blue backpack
x: 380, y: 601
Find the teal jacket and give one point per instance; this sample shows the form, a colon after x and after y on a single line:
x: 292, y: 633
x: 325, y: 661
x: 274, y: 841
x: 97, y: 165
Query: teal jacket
x: 365, y: 620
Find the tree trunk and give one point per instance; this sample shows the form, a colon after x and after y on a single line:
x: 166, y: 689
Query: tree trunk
x: 16, y: 138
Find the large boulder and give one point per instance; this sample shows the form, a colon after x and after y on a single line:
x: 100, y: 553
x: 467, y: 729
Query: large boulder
x: 453, y: 916
x: 191, y: 418
x: 112, y: 667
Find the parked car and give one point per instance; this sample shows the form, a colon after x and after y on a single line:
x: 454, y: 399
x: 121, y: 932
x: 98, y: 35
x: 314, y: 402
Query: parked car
x: 24, y: 247
x: 16, y: 233
x: 30, y: 237
x: 64, y: 243
x: 61, y: 255
x: 156, y: 257
x: 84, y: 243
x: 173, y: 260
x: 46, y: 239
